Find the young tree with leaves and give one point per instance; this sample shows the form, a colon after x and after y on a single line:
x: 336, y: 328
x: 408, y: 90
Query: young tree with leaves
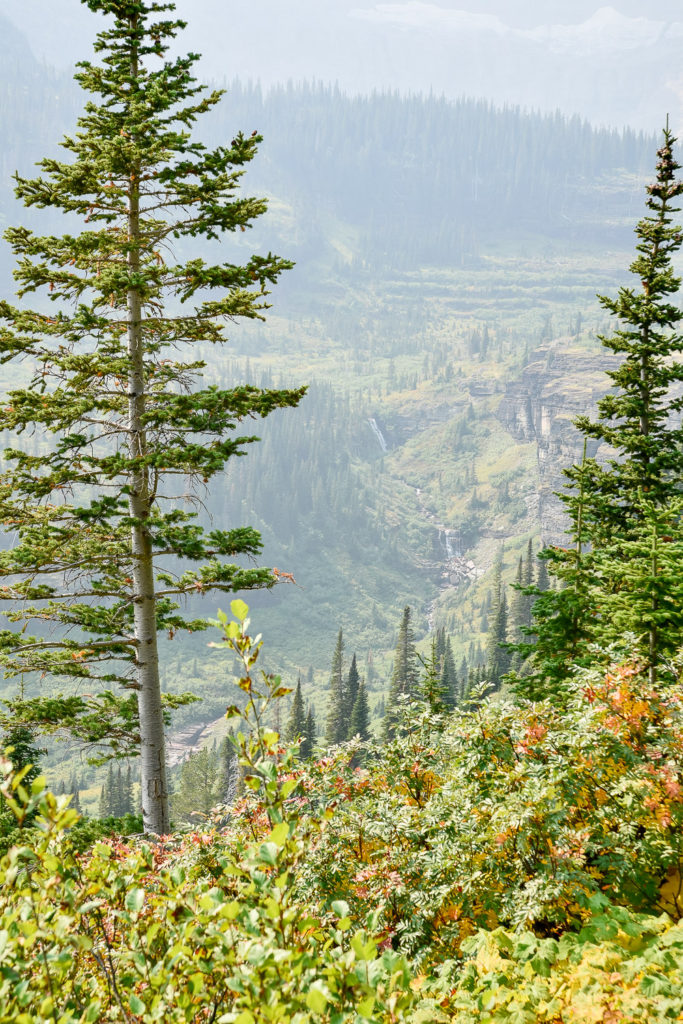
x: 101, y: 526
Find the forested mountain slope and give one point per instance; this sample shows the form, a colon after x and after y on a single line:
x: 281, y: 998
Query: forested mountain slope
x: 441, y: 248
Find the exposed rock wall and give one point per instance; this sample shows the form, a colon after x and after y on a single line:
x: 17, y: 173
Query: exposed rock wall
x: 559, y: 383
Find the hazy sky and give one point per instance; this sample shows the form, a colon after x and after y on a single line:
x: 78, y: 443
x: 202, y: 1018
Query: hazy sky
x: 617, y: 63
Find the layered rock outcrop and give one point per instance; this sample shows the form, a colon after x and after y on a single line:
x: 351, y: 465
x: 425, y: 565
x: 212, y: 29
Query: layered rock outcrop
x: 560, y: 383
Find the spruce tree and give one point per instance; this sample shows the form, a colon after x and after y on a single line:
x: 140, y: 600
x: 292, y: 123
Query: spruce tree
x: 351, y: 688
x: 635, y: 416
x: 105, y: 546
x: 431, y: 688
x: 75, y: 790
x: 107, y: 801
x: 542, y: 578
x: 337, y: 722
x: 618, y: 510
x: 18, y: 742
x: 449, y: 677
x: 128, y: 802
x: 405, y: 675
x: 518, y: 602
x: 498, y: 655
x: 310, y: 735
x: 296, y: 723
x: 199, y: 785
x: 229, y: 770
x: 359, y: 724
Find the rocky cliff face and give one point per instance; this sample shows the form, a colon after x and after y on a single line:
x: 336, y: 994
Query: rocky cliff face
x: 559, y: 383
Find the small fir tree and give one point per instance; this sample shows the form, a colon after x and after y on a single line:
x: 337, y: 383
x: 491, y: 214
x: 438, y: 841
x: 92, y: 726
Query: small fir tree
x: 351, y: 688
x: 359, y: 724
x: 229, y: 777
x: 309, y: 741
x: 405, y: 674
x: 296, y: 723
x: 337, y: 722
x: 199, y: 786
x: 449, y: 677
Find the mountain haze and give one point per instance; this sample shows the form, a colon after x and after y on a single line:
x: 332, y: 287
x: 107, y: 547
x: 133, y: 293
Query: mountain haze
x: 448, y: 254
x: 616, y: 64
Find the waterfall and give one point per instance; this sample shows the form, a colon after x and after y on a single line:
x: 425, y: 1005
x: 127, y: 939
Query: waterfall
x: 378, y: 434
x: 449, y: 544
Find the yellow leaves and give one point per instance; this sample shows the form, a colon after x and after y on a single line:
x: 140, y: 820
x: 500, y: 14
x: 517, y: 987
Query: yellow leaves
x: 671, y: 894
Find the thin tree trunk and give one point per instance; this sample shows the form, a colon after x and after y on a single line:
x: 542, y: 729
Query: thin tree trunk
x: 152, y: 741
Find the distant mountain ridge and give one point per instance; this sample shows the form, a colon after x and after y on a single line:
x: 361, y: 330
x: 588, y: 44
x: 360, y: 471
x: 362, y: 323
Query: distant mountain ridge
x: 613, y: 63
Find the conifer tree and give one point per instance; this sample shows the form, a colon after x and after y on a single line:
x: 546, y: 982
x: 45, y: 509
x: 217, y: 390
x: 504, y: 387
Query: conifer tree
x: 296, y: 723
x: 128, y: 799
x: 431, y: 687
x: 528, y: 579
x: 351, y: 688
x: 542, y: 578
x: 617, y: 510
x: 518, y: 603
x: 498, y: 656
x: 75, y: 790
x: 449, y: 677
x: 106, y: 805
x: 199, y: 785
x: 20, y: 743
x: 229, y: 770
x: 463, y: 677
x: 310, y: 735
x: 103, y: 536
x: 405, y: 675
x: 359, y: 724
x: 337, y: 722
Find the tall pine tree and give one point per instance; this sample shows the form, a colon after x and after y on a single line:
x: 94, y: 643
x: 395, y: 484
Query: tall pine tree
x: 102, y: 537
x: 627, y: 508
x: 337, y: 721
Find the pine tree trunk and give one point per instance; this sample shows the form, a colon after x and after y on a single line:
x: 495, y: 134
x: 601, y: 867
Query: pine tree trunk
x: 154, y: 790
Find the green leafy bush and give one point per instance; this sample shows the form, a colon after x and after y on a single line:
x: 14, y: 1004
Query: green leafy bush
x: 200, y: 927
x: 624, y: 967
x: 515, y: 815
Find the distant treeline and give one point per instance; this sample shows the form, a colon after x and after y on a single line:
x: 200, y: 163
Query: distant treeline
x: 425, y: 179
x: 413, y: 179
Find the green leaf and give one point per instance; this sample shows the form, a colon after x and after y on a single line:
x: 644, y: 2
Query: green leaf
x: 279, y: 834
x: 268, y: 853
x: 135, y: 900
x: 366, y: 1006
x: 239, y: 609
x: 316, y: 999
x: 340, y: 908
x: 136, y: 1005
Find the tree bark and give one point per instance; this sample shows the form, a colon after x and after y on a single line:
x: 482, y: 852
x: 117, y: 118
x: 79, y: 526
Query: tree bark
x: 154, y: 789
